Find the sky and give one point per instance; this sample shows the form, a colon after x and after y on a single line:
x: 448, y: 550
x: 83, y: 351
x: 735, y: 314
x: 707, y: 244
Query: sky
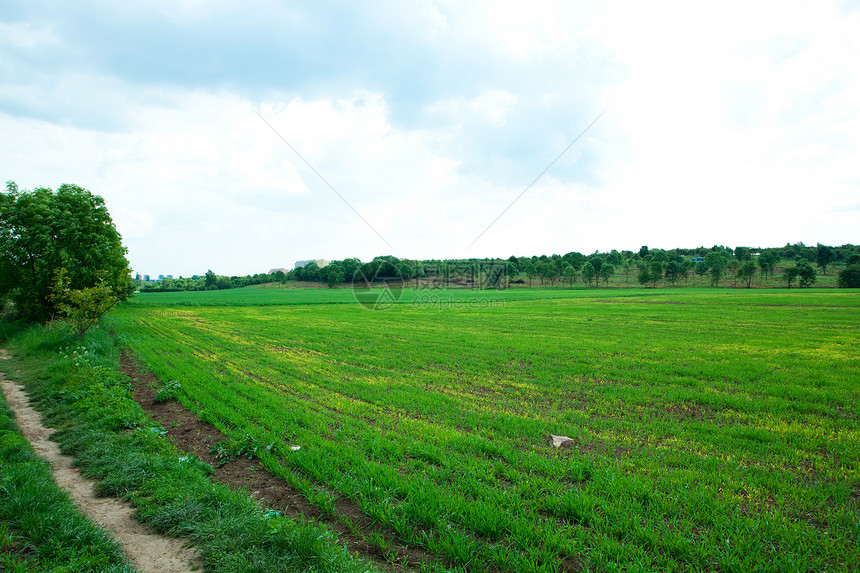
x: 241, y: 137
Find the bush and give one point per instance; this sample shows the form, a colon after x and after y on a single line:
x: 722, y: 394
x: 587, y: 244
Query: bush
x: 849, y: 277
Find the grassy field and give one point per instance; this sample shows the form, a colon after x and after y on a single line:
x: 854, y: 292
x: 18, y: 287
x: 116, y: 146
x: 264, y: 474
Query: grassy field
x: 714, y: 430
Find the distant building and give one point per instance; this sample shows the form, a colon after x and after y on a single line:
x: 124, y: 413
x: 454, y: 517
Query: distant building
x: 320, y: 263
x: 146, y: 278
x: 160, y: 277
x: 273, y: 271
x: 698, y: 259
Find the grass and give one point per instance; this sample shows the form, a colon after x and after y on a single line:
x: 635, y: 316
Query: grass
x: 40, y: 526
x: 77, y: 385
x: 713, y: 429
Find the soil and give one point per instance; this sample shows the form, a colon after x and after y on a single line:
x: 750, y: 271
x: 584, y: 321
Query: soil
x: 197, y: 438
x: 148, y: 551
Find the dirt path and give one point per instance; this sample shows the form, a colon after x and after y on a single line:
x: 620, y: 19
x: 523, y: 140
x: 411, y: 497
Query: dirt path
x: 149, y: 551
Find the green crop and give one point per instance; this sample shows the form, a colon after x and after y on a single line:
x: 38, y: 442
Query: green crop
x: 712, y: 430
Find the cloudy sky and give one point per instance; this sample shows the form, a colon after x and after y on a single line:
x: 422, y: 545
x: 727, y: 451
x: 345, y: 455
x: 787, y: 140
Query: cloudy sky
x: 244, y: 136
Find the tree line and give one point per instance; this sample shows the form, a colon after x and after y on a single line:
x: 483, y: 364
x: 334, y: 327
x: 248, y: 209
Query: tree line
x: 794, y: 265
x: 62, y: 257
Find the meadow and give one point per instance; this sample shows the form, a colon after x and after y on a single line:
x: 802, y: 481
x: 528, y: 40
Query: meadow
x: 713, y: 430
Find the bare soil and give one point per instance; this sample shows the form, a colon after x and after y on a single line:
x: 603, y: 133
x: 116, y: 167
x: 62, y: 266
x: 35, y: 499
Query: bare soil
x: 149, y: 551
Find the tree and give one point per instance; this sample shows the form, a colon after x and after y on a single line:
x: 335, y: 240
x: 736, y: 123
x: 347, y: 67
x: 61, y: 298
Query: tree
x: 672, y: 272
x: 82, y: 307
x: 43, y: 231
x: 656, y: 272
x: 824, y: 255
x: 701, y: 269
x: 746, y: 272
x: 405, y: 271
x: 606, y: 272
x: 588, y: 273
x: 789, y: 274
x: 211, y: 280
x: 716, y: 265
x: 568, y: 273
x: 531, y: 273
x: 742, y: 253
x: 644, y: 276
x: 849, y: 277
x: 512, y: 270
x: 808, y: 274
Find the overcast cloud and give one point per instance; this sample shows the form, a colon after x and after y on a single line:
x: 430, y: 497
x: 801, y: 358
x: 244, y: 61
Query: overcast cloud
x: 733, y: 123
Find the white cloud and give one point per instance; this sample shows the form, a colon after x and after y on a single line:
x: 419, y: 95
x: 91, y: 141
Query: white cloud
x: 733, y: 123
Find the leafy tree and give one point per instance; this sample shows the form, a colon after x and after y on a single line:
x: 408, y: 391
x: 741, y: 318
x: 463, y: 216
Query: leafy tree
x: 849, y: 277
x: 643, y: 251
x: 588, y: 273
x: 659, y: 256
x: 82, y: 307
x: 743, y: 253
x: 606, y: 272
x: 43, y: 231
x: 568, y: 273
x: 808, y: 274
x: 716, y: 265
x: 656, y: 272
x: 575, y: 259
x: 531, y: 272
x: 746, y: 272
x: 672, y: 272
x: 614, y: 258
x: 684, y: 268
x: 405, y: 271
x: 824, y: 255
x: 701, y: 269
x: 211, y: 280
x: 644, y: 276
x: 512, y: 270
x: 789, y: 274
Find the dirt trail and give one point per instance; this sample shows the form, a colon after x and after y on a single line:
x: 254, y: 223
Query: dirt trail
x: 149, y: 551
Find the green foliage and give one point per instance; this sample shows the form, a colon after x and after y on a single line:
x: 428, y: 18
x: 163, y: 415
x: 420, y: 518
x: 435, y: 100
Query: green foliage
x: 710, y: 428
x: 115, y: 443
x: 656, y: 270
x: 849, y: 277
x: 606, y: 272
x: 742, y: 254
x: 169, y: 391
x: 716, y: 266
x: 790, y: 274
x: 644, y: 276
x: 42, y: 231
x: 588, y: 273
x: 82, y: 307
x: 807, y: 274
x: 746, y: 272
x: 824, y: 255
x: 40, y: 526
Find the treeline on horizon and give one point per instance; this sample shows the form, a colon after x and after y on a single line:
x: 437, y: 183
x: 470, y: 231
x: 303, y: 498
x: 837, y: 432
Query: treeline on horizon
x: 801, y: 265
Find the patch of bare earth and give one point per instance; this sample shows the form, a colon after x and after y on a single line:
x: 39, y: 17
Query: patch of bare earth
x: 149, y: 551
x: 197, y: 438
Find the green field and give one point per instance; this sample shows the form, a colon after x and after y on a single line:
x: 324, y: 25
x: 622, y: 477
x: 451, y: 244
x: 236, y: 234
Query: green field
x: 714, y: 430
